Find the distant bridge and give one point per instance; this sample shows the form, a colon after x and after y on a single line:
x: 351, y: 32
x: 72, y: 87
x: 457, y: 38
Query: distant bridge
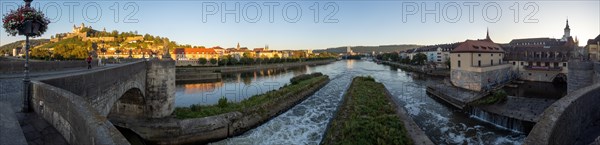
x: 79, y: 105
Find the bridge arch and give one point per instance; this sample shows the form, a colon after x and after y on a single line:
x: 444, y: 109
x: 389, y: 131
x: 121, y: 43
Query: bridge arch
x: 560, y: 78
x: 130, y: 104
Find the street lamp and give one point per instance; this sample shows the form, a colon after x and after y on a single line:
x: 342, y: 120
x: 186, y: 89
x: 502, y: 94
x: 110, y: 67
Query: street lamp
x: 30, y: 28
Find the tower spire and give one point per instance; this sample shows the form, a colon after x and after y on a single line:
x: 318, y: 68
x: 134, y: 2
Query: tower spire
x: 567, y: 27
x: 487, y: 34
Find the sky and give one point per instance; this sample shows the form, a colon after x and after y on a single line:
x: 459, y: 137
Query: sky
x: 322, y: 24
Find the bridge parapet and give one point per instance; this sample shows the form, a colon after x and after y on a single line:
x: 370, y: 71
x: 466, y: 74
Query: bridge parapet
x: 78, y: 104
x: 102, y: 88
x: 567, y: 120
x: 76, y: 120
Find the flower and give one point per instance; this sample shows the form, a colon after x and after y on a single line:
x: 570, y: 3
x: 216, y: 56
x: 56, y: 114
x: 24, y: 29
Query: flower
x: 15, y: 20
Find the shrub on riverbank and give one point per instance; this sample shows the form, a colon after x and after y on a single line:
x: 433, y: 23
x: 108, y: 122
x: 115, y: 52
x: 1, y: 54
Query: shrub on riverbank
x: 199, y: 111
x: 493, y: 98
x: 366, y: 116
x: 302, y: 77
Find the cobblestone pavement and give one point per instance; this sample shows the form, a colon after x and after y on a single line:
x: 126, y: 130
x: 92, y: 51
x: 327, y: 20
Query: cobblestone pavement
x: 39, y: 132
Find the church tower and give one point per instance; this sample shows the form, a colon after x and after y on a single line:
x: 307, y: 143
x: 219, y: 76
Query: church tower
x: 487, y: 34
x: 567, y: 32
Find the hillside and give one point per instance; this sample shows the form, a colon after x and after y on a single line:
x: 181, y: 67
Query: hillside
x: 369, y: 49
x: 8, y: 47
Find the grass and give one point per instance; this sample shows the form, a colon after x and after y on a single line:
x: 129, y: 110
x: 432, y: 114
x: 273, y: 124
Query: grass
x: 367, y: 116
x: 199, y: 111
x: 495, y: 97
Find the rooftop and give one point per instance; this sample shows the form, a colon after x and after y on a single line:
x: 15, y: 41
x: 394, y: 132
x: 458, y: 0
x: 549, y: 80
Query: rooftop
x: 478, y: 46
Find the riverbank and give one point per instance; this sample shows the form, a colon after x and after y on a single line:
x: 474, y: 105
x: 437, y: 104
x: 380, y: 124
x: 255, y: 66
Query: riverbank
x: 187, y: 74
x: 420, y: 69
x: 203, y: 124
x: 369, y: 115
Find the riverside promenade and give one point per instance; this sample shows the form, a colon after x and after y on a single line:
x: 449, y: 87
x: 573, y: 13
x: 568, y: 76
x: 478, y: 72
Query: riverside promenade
x: 214, y: 73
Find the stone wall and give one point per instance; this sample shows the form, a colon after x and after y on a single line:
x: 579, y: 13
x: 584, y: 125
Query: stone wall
x: 244, y: 68
x: 73, y: 117
x: 565, y: 121
x: 478, y: 81
x: 538, y: 76
x: 41, y: 66
x: 581, y: 74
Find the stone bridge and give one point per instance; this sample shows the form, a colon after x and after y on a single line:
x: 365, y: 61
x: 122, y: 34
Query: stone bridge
x: 79, y: 105
x: 575, y: 118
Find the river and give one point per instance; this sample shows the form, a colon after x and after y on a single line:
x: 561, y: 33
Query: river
x: 306, y: 122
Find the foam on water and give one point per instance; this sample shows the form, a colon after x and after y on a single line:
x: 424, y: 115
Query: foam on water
x: 306, y: 122
x: 303, y: 124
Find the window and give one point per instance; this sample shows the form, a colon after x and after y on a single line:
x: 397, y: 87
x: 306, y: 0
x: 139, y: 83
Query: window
x: 458, y: 55
x: 521, y: 63
x: 499, y: 61
x: 479, y: 63
x: 514, y: 63
x: 556, y: 64
x: 547, y: 64
x: 458, y: 63
x: 564, y: 64
x: 492, y: 54
x: 492, y: 62
x: 479, y: 54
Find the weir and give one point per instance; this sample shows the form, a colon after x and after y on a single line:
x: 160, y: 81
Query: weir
x: 501, y: 121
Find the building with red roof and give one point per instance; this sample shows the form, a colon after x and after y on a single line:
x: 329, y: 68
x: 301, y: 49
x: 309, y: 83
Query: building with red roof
x: 194, y: 53
x: 478, y: 65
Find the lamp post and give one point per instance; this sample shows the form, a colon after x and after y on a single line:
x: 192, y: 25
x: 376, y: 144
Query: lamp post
x: 31, y: 28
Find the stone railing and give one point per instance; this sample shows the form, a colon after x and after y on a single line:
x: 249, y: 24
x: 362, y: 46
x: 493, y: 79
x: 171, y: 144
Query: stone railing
x: 41, y: 66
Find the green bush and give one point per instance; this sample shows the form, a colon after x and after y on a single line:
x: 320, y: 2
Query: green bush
x: 303, y: 77
x: 222, y: 102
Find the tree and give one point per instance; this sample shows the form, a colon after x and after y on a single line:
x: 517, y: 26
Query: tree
x: 213, y: 61
x: 223, y: 61
x: 202, y: 61
x: 233, y: 61
x: 419, y: 59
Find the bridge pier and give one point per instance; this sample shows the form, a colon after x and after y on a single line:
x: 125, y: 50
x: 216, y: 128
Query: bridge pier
x: 160, y: 88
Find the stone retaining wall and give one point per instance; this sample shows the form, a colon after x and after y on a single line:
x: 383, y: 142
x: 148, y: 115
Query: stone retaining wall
x: 7, y: 67
x: 213, y: 128
x: 232, y: 69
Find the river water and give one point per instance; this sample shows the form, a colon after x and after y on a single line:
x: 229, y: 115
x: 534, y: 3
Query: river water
x: 305, y: 123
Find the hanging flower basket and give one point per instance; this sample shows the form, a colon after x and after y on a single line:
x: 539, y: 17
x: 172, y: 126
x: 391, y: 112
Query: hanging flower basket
x: 25, y: 21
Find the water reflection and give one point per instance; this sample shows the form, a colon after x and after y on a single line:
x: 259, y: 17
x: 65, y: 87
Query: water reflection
x: 235, y: 86
x: 305, y: 123
x: 538, y: 90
